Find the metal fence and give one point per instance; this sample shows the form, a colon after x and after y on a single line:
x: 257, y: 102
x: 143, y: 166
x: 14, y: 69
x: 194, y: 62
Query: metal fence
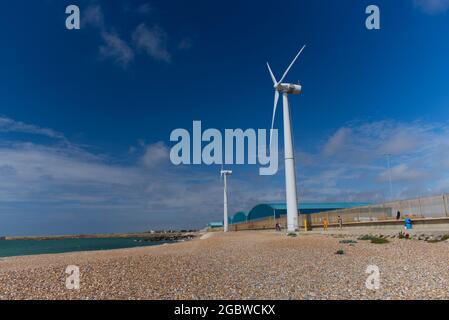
x: 426, y: 207
x: 420, y: 208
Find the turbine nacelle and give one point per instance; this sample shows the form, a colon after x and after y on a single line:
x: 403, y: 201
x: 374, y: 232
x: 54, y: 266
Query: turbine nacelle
x: 289, y: 88
x: 225, y: 172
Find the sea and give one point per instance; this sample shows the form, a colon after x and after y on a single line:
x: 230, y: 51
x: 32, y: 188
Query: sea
x: 10, y: 248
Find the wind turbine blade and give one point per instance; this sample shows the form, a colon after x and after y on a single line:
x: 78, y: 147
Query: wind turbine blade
x: 291, y: 65
x: 276, y: 99
x: 271, y: 74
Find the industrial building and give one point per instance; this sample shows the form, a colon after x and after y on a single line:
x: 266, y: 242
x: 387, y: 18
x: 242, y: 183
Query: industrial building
x: 278, y: 210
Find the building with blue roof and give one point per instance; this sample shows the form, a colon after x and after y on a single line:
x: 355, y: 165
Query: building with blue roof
x: 240, y: 217
x: 215, y: 225
x: 277, y: 210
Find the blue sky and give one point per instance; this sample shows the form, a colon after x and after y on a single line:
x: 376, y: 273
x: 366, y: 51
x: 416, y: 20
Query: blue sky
x: 86, y: 115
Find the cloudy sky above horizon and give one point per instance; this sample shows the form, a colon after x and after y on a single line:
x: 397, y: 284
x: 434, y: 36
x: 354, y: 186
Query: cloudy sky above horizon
x: 86, y: 116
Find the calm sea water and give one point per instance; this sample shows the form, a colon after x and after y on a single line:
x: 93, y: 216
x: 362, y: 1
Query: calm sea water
x: 11, y: 248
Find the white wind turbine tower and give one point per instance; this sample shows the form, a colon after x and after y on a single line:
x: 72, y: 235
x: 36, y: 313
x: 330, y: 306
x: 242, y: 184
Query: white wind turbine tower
x: 225, y: 174
x: 290, y: 174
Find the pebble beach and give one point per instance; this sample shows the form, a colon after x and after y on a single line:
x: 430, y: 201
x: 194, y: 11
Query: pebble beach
x: 240, y: 265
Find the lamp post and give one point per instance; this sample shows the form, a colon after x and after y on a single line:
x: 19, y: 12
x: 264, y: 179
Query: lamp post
x: 388, y: 155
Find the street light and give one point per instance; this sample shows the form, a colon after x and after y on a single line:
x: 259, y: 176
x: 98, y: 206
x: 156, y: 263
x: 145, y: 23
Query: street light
x: 388, y: 155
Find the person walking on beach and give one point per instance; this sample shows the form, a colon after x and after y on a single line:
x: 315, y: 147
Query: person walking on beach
x: 398, y: 215
x: 325, y: 224
x: 278, y: 227
x: 340, y: 223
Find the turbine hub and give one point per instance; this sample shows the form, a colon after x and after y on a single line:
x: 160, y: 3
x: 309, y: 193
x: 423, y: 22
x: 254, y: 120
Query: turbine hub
x: 289, y: 88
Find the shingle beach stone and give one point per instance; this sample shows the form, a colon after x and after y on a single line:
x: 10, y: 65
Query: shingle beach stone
x: 237, y: 265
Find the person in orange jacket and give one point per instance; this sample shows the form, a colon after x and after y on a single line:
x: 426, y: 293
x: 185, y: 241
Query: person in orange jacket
x: 325, y: 224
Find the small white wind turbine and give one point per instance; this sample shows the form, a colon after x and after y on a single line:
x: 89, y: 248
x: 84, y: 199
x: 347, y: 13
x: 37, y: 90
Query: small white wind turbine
x: 225, y: 174
x: 290, y: 174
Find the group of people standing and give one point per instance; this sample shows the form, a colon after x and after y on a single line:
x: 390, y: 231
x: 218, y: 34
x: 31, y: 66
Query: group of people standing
x: 326, y: 223
x: 407, y: 221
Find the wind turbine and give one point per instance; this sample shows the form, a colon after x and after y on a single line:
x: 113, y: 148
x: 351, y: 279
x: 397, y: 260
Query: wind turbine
x: 225, y: 174
x: 290, y: 174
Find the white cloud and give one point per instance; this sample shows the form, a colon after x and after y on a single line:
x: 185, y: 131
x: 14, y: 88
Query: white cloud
x: 116, y: 49
x: 41, y: 184
x: 156, y: 154
x: 337, y: 142
x: 401, y: 141
x: 9, y: 125
x: 36, y: 163
x: 143, y: 9
x: 351, y: 163
x: 37, y: 179
x: 153, y: 41
x: 403, y: 172
x: 432, y: 6
x: 149, y: 192
x: 93, y: 16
